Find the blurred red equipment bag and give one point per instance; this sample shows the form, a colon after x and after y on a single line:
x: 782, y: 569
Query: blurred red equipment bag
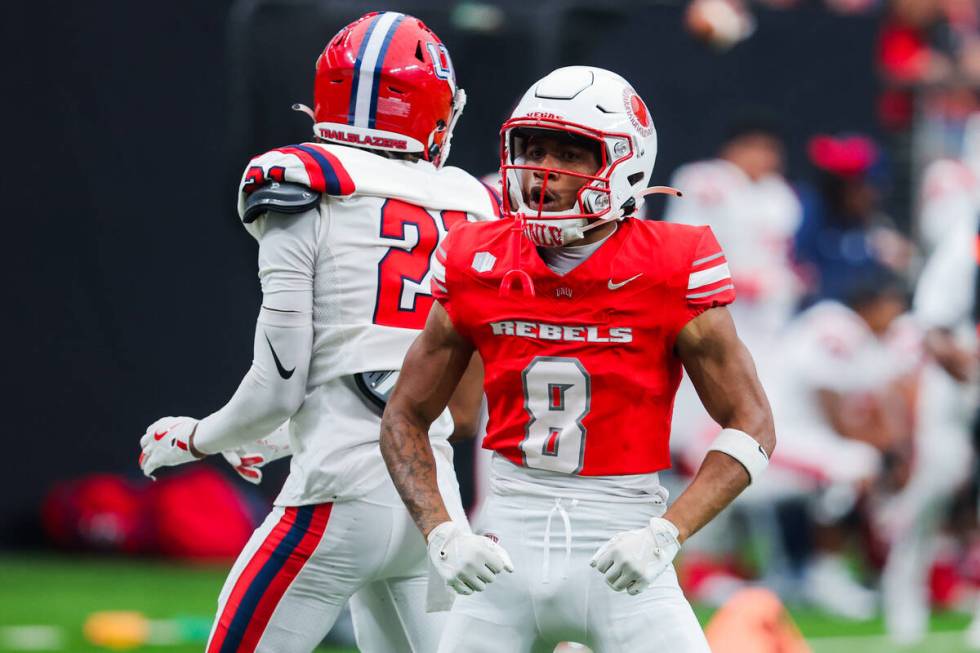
x: 194, y: 514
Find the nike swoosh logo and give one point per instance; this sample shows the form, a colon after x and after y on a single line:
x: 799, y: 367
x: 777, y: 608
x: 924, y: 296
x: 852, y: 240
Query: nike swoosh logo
x: 614, y: 286
x: 283, y: 372
x: 157, y: 436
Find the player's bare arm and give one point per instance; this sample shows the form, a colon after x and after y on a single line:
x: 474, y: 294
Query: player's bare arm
x: 467, y: 400
x: 433, y: 367
x: 958, y: 362
x: 871, y: 425
x: 724, y: 376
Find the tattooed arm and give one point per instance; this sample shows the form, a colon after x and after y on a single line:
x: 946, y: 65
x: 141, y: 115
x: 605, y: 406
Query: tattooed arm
x: 431, y: 371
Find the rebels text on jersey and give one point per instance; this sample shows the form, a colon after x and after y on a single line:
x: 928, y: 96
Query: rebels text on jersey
x: 581, y: 377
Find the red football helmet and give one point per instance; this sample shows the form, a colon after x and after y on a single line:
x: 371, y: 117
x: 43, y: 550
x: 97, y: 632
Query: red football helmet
x: 386, y: 82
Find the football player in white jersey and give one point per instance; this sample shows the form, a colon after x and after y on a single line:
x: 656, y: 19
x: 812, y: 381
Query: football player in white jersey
x: 833, y: 400
x: 742, y: 195
x: 347, y: 228
x: 947, y: 403
x: 744, y: 198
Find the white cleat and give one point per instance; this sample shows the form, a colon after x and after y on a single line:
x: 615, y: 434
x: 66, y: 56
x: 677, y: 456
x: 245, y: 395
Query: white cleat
x: 830, y: 587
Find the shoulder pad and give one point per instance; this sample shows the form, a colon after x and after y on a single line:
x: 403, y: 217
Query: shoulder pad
x: 280, y: 197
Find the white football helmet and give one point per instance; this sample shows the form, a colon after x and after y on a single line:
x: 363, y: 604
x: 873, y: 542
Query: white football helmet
x: 587, y: 102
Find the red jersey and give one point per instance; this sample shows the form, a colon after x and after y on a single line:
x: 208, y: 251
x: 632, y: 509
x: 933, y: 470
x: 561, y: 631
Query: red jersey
x: 581, y: 377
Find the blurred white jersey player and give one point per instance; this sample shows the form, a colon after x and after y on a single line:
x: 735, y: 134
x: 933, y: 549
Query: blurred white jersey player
x: 947, y: 399
x: 347, y: 228
x: 951, y: 189
x: 754, y: 213
x: 837, y: 406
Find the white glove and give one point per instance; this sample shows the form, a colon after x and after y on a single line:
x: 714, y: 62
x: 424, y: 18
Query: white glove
x: 632, y: 560
x: 167, y: 443
x: 248, y: 460
x: 467, y: 562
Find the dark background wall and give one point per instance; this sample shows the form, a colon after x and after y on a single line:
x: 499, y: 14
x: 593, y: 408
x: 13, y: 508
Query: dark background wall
x: 130, y: 289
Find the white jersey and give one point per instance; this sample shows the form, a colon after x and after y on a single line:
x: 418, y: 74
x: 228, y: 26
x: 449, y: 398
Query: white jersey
x: 946, y: 290
x: 755, y: 222
x: 950, y: 196
x: 827, y: 347
x: 371, y: 245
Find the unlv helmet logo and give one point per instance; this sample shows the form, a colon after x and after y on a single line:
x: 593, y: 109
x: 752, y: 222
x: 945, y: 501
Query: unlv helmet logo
x: 637, y: 111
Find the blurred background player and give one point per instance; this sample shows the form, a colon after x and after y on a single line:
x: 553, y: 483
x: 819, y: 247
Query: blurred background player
x: 845, y: 234
x: 347, y: 228
x: 838, y: 409
x: 742, y: 195
x: 946, y: 309
x: 583, y: 316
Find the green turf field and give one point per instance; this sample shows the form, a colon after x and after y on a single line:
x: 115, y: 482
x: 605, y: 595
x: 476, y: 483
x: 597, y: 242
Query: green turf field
x: 45, y: 600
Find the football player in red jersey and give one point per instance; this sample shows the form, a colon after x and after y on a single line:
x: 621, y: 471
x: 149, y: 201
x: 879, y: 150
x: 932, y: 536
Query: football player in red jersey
x: 583, y: 316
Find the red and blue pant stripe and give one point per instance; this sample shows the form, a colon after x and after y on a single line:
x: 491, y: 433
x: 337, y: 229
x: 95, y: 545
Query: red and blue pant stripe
x: 265, y: 579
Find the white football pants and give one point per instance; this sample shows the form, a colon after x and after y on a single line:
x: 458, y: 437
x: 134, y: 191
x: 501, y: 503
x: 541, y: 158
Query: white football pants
x: 942, y: 463
x: 304, y: 563
x: 553, y: 595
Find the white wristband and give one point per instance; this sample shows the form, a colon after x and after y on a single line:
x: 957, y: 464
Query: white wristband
x: 743, y: 448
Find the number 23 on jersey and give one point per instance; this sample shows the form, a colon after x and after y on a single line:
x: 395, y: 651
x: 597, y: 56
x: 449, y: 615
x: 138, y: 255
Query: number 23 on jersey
x: 403, y: 297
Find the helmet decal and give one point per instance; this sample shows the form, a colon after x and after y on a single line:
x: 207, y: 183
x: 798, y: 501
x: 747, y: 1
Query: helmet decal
x: 442, y: 65
x: 637, y: 111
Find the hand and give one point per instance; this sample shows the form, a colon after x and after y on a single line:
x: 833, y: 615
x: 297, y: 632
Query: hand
x: 167, y: 442
x: 959, y: 363
x: 467, y: 562
x: 632, y: 560
x: 248, y: 460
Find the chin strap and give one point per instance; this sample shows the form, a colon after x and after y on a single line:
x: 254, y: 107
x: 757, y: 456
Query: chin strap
x: 302, y: 108
x: 653, y: 190
x: 459, y: 103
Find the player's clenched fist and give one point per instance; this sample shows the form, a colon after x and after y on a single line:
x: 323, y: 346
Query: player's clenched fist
x: 632, y: 560
x: 167, y: 443
x: 466, y: 561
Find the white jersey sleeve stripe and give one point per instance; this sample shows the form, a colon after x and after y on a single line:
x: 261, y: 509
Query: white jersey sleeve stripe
x: 439, y: 271
x: 713, y: 291
x: 704, y: 260
x: 709, y: 276
x: 440, y: 286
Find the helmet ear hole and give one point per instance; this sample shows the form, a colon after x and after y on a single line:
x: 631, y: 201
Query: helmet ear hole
x: 634, y: 179
x: 418, y: 52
